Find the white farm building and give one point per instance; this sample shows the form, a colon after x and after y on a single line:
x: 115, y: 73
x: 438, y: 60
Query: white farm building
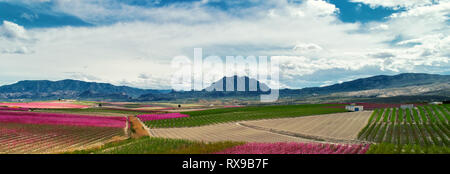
x: 354, y: 108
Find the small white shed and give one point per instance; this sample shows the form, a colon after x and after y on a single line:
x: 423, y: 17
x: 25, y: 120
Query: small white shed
x: 354, y: 108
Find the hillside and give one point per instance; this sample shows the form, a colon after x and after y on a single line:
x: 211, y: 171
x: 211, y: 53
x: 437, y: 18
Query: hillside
x: 237, y: 83
x: 381, y: 82
x: 409, y: 84
x: 44, y: 89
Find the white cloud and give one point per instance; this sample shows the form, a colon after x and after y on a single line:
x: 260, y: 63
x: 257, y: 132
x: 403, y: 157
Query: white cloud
x: 380, y: 27
x: 14, y: 39
x: 15, y: 50
x: 320, y: 7
x: 12, y: 31
x: 421, y: 20
x: 425, y: 38
x: 307, y: 47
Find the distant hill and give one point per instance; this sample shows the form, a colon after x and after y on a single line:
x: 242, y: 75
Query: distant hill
x: 44, y: 89
x: 244, y: 84
x: 409, y: 87
x: 364, y: 88
x: 240, y: 87
x: 409, y: 84
x: 380, y: 82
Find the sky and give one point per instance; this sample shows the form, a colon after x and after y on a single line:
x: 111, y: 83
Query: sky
x: 133, y: 42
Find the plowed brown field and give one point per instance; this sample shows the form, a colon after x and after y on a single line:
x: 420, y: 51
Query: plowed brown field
x: 223, y: 132
x: 340, y: 127
x: 330, y: 127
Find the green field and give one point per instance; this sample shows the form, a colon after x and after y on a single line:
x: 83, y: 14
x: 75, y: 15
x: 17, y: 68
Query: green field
x: 151, y: 145
x: 427, y: 126
x: 214, y: 116
x: 386, y: 148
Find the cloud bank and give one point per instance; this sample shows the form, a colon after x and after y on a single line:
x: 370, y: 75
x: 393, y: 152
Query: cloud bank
x: 134, y: 45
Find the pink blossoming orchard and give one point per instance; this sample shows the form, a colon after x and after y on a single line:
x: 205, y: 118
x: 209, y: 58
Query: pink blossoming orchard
x: 34, y: 132
x: 43, y: 105
x: 296, y: 148
x: 61, y: 119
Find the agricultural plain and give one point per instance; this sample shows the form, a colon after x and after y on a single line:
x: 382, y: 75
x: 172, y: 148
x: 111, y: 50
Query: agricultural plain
x: 146, y: 128
x: 235, y: 114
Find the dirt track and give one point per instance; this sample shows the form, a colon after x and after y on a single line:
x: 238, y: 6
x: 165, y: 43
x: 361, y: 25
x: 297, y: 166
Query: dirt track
x: 331, y: 127
x: 138, y: 129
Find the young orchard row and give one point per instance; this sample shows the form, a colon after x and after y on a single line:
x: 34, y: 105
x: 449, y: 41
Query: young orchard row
x: 424, y: 125
x: 387, y: 148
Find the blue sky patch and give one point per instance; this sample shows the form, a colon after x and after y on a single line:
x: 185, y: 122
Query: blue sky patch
x: 37, y: 18
x: 359, y: 12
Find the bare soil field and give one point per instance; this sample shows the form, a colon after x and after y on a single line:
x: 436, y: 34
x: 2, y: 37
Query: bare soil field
x: 223, y: 132
x: 336, y: 128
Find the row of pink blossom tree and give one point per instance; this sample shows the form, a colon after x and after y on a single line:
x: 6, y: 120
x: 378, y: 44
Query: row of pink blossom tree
x: 296, y: 148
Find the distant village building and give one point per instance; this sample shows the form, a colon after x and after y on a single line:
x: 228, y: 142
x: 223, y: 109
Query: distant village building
x: 409, y: 106
x: 436, y: 103
x: 354, y: 108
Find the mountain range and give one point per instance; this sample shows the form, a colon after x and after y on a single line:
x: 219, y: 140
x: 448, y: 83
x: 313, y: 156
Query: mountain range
x: 380, y: 82
x: 409, y: 84
x: 69, y: 89
x: 408, y: 87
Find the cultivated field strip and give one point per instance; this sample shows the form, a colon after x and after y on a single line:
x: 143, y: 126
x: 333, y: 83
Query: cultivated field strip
x: 330, y: 127
x: 342, y: 127
x: 37, y: 139
x: 223, y: 132
x: 423, y: 125
x: 230, y: 115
